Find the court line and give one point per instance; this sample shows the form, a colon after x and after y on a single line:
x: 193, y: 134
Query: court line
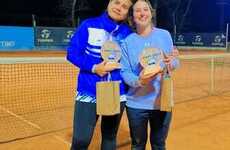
x: 20, y: 118
x: 32, y: 124
x: 62, y: 140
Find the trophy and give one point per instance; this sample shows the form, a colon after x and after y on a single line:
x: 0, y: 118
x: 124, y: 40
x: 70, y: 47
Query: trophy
x: 150, y: 59
x: 108, y: 92
x: 111, y: 52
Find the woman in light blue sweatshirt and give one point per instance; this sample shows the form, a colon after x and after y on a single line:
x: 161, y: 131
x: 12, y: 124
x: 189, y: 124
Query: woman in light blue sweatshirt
x: 144, y: 90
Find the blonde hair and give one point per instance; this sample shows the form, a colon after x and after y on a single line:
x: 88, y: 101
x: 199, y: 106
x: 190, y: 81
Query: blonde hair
x: 130, y: 15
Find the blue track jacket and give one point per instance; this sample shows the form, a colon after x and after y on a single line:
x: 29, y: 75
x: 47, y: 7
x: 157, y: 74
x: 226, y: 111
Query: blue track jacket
x: 84, y: 50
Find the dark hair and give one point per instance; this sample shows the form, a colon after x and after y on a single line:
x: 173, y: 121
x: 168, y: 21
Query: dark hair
x: 133, y: 1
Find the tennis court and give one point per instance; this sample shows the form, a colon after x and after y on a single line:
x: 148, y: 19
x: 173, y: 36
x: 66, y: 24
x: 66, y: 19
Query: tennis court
x: 37, y: 92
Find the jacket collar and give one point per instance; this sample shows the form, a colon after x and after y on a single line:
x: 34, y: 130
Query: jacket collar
x: 109, y: 23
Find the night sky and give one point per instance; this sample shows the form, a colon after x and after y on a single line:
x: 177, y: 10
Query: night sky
x: 201, y: 16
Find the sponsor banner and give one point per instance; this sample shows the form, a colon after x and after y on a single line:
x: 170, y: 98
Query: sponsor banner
x: 217, y: 40
x: 53, y: 36
x: 13, y: 38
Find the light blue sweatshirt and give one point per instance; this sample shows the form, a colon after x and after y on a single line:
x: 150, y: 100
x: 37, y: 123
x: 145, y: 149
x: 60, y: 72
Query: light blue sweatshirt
x: 143, y: 97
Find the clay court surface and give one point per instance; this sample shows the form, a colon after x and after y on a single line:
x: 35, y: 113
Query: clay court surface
x: 43, y: 120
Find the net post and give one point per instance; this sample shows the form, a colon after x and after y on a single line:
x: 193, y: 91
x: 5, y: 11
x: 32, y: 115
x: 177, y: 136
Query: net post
x: 33, y: 21
x: 227, y: 30
x: 34, y: 27
x: 212, y: 86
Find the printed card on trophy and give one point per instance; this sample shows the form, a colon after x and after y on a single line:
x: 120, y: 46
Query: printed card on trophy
x: 150, y: 59
x: 108, y: 91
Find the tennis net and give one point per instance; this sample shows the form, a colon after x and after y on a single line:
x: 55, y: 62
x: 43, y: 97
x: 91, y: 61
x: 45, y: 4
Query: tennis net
x: 201, y: 76
x: 36, y: 96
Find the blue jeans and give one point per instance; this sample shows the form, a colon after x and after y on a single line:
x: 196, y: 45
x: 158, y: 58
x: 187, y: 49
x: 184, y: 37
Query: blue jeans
x: 138, y: 123
x: 85, y: 119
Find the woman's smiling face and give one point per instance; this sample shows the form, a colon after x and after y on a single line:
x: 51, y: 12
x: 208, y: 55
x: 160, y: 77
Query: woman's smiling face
x: 142, y: 15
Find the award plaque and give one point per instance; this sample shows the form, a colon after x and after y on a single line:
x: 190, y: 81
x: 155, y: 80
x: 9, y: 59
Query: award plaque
x: 110, y: 52
x: 150, y: 58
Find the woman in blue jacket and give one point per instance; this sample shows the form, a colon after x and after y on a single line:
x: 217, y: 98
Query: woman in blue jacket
x: 84, y: 53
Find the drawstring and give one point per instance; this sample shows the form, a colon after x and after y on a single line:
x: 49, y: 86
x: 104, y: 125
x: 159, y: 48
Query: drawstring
x: 107, y: 77
x: 167, y: 71
x: 111, y: 34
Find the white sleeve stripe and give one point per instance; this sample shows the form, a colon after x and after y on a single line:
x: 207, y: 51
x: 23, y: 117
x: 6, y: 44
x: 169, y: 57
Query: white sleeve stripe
x: 95, y: 50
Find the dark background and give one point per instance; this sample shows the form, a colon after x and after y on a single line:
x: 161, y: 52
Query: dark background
x: 187, y: 15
